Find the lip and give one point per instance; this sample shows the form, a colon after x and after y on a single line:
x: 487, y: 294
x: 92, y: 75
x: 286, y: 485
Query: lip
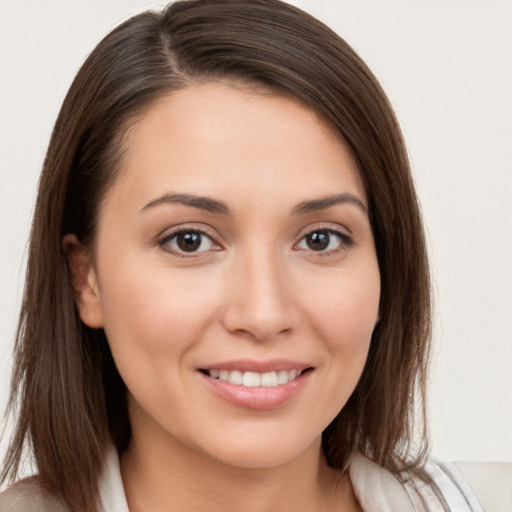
x: 249, y: 365
x: 257, y: 398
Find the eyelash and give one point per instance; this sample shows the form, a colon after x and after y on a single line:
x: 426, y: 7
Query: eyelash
x: 345, y: 241
x: 164, y: 241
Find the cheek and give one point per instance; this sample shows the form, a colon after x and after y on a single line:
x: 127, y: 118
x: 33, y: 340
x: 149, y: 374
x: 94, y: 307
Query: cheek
x: 346, y: 311
x: 342, y: 314
x: 153, y: 322
x: 156, y: 311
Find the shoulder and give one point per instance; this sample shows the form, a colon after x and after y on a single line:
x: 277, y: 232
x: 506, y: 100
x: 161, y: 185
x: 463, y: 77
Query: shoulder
x: 438, y: 485
x: 491, y: 482
x: 377, y: 488
x: 30, y: 496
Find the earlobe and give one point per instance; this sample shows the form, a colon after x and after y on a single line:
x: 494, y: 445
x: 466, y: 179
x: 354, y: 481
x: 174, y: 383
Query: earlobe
x: 84, y: 281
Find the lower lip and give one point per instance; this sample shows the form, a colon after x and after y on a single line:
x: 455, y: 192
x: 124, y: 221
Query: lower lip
x: 257, y: 398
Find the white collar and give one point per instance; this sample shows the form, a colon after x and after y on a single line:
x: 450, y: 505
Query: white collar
x: 113, y: 498
x: 376, y: 488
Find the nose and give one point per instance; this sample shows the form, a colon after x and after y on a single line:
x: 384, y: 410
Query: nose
x: 260, y: 301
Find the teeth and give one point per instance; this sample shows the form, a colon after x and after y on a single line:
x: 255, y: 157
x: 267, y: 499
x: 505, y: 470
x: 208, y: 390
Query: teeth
x: 255, y: 379
x: 282, y: 377
x: 251, y: 379
x: 235, y: 377
x: 269, y: 379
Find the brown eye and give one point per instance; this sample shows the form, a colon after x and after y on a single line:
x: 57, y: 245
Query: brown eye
x: 324, y: 240
x: 190, y: 241
x: 318, y: 240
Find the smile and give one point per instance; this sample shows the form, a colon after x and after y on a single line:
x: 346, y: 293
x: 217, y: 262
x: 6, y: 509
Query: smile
x: 254, y: 379
x: 257, y: 385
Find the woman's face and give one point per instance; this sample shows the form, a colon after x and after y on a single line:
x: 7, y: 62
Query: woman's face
x: 235, y: 275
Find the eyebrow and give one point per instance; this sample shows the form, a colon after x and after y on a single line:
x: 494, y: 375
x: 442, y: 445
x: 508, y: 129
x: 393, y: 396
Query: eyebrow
x: 323, y: 203
x: 213, y: 206
x: 203, y: 203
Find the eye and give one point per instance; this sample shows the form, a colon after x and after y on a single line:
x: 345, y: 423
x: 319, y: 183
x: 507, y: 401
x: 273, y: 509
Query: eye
x: 324, y: 240
x: 188, y: 241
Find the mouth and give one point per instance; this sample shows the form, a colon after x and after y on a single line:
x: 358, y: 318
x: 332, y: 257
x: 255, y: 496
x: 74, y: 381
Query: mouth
x: 257, y: 386
x: 252, y: 379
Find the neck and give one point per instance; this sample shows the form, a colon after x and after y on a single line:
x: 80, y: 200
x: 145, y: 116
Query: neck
x: 160, y: 472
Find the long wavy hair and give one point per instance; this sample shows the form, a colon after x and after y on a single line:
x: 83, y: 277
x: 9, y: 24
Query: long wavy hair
x: 67, y: 396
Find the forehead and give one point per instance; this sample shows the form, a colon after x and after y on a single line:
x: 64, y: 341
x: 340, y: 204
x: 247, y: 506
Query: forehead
x: 216, y: 138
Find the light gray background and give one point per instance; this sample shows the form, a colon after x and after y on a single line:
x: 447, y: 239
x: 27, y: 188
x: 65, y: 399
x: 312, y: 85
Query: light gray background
x: 447, y: 67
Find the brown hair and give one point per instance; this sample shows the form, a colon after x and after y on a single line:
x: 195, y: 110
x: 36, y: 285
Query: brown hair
x: 70, y: 398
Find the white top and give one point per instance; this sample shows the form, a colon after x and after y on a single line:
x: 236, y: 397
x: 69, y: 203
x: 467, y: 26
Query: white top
x: 377, y: 489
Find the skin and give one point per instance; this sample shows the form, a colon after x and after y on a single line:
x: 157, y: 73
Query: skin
x: 254, y: 290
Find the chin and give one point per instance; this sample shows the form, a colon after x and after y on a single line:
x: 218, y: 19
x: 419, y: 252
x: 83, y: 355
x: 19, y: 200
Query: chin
x: 261, y: 452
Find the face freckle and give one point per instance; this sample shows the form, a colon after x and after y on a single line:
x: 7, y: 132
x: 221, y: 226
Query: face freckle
x: 244, y: 179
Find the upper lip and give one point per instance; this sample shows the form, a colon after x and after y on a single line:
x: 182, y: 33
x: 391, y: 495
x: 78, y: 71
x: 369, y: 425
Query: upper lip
x: 249, y: 365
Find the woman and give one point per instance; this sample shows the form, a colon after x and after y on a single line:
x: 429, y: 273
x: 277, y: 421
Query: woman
x: 227, y: 303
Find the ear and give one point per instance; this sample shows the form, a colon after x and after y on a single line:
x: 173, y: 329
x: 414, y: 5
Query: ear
x: 84, y: 281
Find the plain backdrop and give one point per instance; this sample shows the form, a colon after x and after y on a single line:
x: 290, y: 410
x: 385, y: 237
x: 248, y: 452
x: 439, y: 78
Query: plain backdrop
x: 447, y: 68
